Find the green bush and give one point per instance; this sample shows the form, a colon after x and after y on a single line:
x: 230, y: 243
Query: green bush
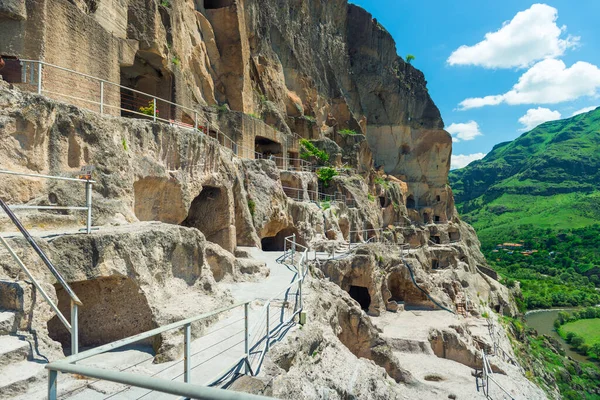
x: 326, y: 174
x: 176, y: 61
x: 253, y: 115
x: 485, y: 315
x: 310, y: 118
x: 124, y: 143
x: 252, y: 206
x: 149, y: 110
x: 165, y: 3
x: 410, y: 58
x: 371, y: 197
x: 348, y: 132
x: 313, y: 151
x: 510, y: 283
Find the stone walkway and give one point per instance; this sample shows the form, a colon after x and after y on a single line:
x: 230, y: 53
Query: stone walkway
x: 212, y: 354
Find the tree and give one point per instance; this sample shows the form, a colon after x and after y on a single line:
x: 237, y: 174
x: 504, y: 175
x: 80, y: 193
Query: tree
x: 595, y: 348
x: 576, y: 341
x: 410, y: 58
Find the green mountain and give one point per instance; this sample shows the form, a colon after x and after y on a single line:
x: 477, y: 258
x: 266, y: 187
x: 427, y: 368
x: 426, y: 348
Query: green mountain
x: 541, y: 190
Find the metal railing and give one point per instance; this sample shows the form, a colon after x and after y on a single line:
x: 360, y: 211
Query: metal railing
x: 106, y: 97
x: 487, y: 376
x: 88, y: 196
x: 72, y: 326
x: 276, y: 316
x: 314, y: 196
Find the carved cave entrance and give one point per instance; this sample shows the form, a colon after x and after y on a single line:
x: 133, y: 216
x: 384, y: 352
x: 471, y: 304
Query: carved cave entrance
x: 149, y: 76
x: 113, y: 308
x: 361, y: 295
x: 276, y: 243
x: 404, y: 291
x: 410, y: 202
x: 209, y: 213
x: 212, y: 4
x: 267, y: 148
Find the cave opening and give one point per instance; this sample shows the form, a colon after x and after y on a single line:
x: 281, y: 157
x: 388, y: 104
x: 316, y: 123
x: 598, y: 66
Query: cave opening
x: 410, y: 202
x: 146, y: 75
x: 438, y: 198
x: 382, y: 201
x: 209, y: 213
x: 435, y: 264
x: 436, y: 218
x: 267, y: 147
x: 276, y: 243
x: 361, y: 295
x: 212, y: 4
x: 103, y: 318
x: 436, y: 239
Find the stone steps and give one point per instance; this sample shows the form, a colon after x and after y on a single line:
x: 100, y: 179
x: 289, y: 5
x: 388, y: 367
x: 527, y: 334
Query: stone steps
x: 12, y: 350
x: 7, y: 322
x: 16, y: 377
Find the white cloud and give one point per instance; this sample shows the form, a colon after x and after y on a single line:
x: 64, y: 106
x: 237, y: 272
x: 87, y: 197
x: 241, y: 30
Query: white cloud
x: 462, y: 160
x: 584, y: 110
x: 530, y: 36
x: 547, y: 82
x: 466, y: 131
x: 537, y: 116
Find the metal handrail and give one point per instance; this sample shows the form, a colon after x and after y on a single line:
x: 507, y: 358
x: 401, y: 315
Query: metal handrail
x: 185, y: 389
x: 487, y: 377
x: 88, y: 195
x: 73, y: 326
x: 198, y: 118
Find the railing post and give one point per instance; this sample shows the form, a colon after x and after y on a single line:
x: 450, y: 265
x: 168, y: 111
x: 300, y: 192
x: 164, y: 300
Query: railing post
x: 154, y: 106
x: 246, y: 340
x: 52, y: 380
x: 39, y: 77
x: 101, y: 97
x: 88, y: 203
x: 187, y: 353
x: 268, y: 333
x: 74, y: 328
x: 293, y: 247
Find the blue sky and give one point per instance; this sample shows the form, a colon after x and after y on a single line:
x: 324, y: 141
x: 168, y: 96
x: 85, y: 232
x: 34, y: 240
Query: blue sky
x: 550, y: 49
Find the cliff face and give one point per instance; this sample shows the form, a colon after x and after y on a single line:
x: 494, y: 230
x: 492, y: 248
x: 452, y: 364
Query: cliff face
x: 308, y: 67
x: 302, y: 69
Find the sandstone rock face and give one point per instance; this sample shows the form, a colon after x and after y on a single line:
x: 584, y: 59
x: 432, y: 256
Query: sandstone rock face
x: 173, y: 204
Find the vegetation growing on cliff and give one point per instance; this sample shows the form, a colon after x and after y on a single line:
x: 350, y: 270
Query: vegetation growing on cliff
x: 545, y: 363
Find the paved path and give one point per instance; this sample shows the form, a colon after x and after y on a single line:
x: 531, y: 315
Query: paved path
x: 212, y: 354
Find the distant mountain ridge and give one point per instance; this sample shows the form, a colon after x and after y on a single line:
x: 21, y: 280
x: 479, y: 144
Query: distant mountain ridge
x: 548, y: 177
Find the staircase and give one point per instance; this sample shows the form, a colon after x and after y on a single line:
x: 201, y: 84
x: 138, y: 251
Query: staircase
x: 18, y: 369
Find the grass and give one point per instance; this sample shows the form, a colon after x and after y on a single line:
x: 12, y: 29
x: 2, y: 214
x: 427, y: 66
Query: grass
x: 588, y: 329
x: 347, y: 132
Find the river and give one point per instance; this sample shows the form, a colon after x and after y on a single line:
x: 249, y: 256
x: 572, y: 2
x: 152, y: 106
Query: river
x: 543, y: 322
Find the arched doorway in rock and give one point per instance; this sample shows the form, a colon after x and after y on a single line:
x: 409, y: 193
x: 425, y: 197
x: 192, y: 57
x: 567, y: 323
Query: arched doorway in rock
x: 210, y: 213
x: 267, y: 147
x: 361, y: 295
x: 212, y: 4
x: 113, y: 308
x: 276, y: 243
x: 147, y: 75
x: 410, y: 202
x: 404, y: 291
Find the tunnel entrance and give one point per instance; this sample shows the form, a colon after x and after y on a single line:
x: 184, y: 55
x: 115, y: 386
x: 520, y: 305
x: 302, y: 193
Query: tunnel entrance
x: 276, y: 243
x: 212, y: 4
x: 147, y: 75
x: 209, y: 213
x: 113, y: 308
x: 267, y: 147
x: 361, y: 295
x: 436, y: 239
x: 382, y: 201
x: 410, y: 202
